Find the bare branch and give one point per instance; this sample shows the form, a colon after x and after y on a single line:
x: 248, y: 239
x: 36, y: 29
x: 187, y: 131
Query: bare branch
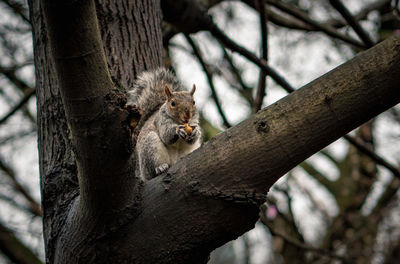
x: 316, y: 174
x: 9, y: 73
x: 17, y: 8
x: 244, y: 90
x: 34, y: 207
x: 295, y: 243
x: 316, y: 204
x: 16, y: 136
x: 330, y: 31
x: 14, y: 249
x: 23, y: 101
x: 230, y: 44
x: 379, y: 160
x: 352, y: 22
x: 260, y: 93
x: 209, y: 74
x: 290, y: 219
x: 197, y: 19
x: 362, y: 14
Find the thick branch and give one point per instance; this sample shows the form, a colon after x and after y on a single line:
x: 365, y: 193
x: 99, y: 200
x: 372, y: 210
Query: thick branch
x: 206, y: 198
x: 93, y: 112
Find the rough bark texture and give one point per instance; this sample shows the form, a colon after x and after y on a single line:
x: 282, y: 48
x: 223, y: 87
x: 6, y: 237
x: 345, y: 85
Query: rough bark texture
x: 207, y: 198
x: 59, y: 183
x: 58, y: 172
x: 131, y: 35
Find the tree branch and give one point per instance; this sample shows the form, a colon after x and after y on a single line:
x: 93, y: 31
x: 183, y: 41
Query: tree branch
x: 338, y: 5
x: 34, y: 207
x: 14, y: 249
x: 295, y: 243
x: 375, y: 157
x: 214, y: 191
x: 21, y: 85
x: 330, y: 31
x: 217, y: 33
x: 244, y: 90
x: 23, y: 101
x: 197, y: 19
x: 18, y: 9
x: 362, y: 14
x: 260, y: 93
x: 206, y: 70
x: 95, y: 113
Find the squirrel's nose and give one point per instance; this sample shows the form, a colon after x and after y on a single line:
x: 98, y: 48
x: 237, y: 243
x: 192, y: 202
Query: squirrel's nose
x: 187, y: 114
x: 186, y: 118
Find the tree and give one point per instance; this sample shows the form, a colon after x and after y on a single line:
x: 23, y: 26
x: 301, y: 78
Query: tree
x: 96, y: 210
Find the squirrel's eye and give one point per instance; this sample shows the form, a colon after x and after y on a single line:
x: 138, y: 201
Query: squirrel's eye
x: 194, y: 102
x: 172, y: 103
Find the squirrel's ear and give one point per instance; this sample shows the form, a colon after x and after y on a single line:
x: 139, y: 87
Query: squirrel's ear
x: 168, y: 92
x: 193, y: 89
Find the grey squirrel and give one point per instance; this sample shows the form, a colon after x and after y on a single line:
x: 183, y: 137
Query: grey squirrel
x: 170, y: 121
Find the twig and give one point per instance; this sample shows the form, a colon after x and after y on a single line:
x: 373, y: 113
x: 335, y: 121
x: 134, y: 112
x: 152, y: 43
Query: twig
x: 379, y: 160
x: 292, y: 221
x: 330, y: 31
x: 295, y: 243
x: 338, y: 5
x: 315, y: 203
x: 17, y: 8
x: 361, y: 14
x: 208, y: 73
x: 18, y: 106
x: 20, y: 84
x: 230, y: 44
x: 33, y: 205
x: 14, y: 249
x: 19, y: 135
x: 292, y: 22
x: 10, y: 74
x: 244, y: 89
x: 260, y: 94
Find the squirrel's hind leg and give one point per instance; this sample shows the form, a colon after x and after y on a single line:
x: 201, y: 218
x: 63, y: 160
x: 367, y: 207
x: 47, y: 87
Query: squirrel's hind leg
x: 153, y: 157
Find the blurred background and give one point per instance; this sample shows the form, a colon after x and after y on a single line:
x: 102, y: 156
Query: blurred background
x: 339, y: 206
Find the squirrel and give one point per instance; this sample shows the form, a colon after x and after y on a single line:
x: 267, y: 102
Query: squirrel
x: 170, y: 122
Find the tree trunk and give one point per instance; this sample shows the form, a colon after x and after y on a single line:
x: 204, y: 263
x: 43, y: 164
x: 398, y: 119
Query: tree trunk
x: 96, y: 210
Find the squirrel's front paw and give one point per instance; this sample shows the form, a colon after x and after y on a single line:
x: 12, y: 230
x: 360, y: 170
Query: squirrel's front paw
x: 162, y: 168
x: 180, y: 130
x: 192, y: 138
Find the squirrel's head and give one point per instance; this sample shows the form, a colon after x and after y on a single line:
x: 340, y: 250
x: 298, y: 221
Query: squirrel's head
x: 181, y: 104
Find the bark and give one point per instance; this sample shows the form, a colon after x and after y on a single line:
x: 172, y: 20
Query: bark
x: 207, y: 198
x: 58, y: 169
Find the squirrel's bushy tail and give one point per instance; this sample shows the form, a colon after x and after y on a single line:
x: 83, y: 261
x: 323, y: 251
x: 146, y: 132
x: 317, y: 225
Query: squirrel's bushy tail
x: 148, y: 91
